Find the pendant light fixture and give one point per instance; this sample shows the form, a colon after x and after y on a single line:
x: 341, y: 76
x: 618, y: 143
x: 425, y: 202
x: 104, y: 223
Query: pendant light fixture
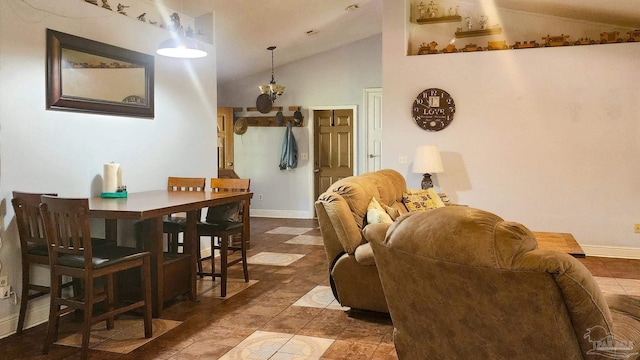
x: 269, y: 93
x: 180, y: 45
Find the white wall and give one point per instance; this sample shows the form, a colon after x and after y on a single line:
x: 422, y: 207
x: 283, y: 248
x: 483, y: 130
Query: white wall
x: 63, y: 152
x: 547, y: 137
x: 333, y: 78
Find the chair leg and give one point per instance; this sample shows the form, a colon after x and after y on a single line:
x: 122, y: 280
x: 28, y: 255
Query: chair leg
x: 243, y: 252
x: 146, y: 288
x: 213, y: 257
x: 224, y: 244
x: 110, y: 301
x: 54, y: 309
x: 199, y: 260
x: 25, y: 296
x: 88, y: 314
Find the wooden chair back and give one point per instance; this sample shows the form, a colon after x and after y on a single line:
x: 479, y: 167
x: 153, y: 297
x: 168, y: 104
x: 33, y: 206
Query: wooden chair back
x: 186, y: 184
x: 30, y: 226
x: 230, y: 185
x: 33, y: 248
x: 67, y: 227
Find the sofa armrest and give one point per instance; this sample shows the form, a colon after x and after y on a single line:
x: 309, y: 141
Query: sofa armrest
x: 364, y: 255
x: 376, y: 232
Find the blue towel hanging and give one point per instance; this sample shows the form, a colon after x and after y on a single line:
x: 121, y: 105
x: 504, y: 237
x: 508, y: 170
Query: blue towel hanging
x: 289, y: 156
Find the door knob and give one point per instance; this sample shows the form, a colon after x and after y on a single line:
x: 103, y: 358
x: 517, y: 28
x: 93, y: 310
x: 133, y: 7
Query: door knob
x: 371, y: 156
x: 316, y: 170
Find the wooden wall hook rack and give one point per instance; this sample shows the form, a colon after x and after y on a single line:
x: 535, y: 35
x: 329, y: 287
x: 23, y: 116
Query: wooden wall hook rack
x: 270, y: 120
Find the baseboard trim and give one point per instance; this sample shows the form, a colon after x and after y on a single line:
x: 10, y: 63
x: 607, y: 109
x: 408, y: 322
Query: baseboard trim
x: 283, y: 214
x: 37, y: 313
x: 612, y: 251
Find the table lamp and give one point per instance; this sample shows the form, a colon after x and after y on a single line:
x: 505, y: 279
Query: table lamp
x: 427, y: 161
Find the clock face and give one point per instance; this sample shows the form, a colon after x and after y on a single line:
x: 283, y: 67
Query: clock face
x: 433, y: 109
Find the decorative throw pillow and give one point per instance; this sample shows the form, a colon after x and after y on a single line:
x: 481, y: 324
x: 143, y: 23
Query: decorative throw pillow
x: 416, y: 200
x: 224, y: 212
x: 393, y: 212
x: 376, y: 214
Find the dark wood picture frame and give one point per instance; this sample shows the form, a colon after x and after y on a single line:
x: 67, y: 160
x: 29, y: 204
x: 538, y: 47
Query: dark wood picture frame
x: 134, y: 105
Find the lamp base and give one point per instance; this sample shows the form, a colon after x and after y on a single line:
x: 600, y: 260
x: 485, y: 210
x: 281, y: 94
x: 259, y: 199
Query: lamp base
x: 426, y: 181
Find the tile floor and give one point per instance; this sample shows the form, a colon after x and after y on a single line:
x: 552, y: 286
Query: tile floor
x: 286, y: 311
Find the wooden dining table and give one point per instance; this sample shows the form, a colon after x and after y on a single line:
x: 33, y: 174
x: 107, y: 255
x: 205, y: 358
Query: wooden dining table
x: 171, y: 275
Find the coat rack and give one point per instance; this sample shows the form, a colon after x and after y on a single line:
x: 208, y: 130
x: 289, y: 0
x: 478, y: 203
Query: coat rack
x: 270, y: 120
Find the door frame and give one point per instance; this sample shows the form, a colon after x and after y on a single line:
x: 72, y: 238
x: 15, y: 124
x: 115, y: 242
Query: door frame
x: 369, y: 127
x: 312, y: 150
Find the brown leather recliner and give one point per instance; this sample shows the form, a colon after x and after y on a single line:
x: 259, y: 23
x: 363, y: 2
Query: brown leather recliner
x: 462, y: 283
x: 342, y: 212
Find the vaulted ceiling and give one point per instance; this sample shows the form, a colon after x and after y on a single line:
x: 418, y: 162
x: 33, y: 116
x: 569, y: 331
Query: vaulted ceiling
x: 301, y: 28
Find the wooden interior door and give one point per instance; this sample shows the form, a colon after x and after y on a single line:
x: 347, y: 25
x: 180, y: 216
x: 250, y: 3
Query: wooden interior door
x: 225, y: 141
x: 333, y: 147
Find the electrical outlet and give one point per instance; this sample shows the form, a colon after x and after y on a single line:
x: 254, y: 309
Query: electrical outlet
x: 5, y: 291
x: 636, y: 228
x: 260, y: 197
x: 304, y: 156
x: 4, y: 280
x: 402, y: 160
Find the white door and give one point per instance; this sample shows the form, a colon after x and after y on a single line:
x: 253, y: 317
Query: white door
x: 373, y: 116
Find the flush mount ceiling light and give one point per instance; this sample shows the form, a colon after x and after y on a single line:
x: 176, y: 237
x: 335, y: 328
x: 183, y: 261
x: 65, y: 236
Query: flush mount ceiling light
x: 270, y: 92
x: 181, y: 47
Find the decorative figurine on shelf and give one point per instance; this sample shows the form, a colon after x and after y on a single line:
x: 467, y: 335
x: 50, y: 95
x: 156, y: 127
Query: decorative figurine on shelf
x: 469, y: 22
x: 175, y: 22
x: 121, y: 8
x: 423, y: 10
x: 429, y: 48
x: 483, y: 22
x: 450, y: 11
x: 457, y: 10
x: 432, y: 9
x: 105, y: 4
x: 142, y: 17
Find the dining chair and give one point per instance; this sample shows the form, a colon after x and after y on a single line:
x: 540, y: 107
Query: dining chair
x: 173, y: 225
x: 34, y: 248
x: 68, y: 234
x: 225, y: 227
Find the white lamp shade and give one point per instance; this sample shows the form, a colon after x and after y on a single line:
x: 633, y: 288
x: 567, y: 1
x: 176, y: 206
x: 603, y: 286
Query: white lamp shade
x: 427, y: 160
x: 181, y: 47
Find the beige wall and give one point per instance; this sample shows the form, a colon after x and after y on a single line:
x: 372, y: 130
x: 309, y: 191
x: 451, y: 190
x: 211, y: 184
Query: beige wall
x: 546, y: 137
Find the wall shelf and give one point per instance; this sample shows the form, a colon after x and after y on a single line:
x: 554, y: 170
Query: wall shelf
x: 441, y: 19
x: 485, y: 32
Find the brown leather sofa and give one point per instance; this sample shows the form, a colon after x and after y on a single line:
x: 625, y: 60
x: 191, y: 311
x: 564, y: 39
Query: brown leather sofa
x: 462, y: 283
x: 342, y: 211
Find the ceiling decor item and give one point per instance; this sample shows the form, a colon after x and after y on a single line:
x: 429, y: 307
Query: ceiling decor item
x: 427, y: 161
x: 433, y: 109
x: 269, y: 93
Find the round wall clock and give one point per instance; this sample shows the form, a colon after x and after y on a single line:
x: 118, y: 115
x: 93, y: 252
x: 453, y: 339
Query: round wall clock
x: 433, y: 109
